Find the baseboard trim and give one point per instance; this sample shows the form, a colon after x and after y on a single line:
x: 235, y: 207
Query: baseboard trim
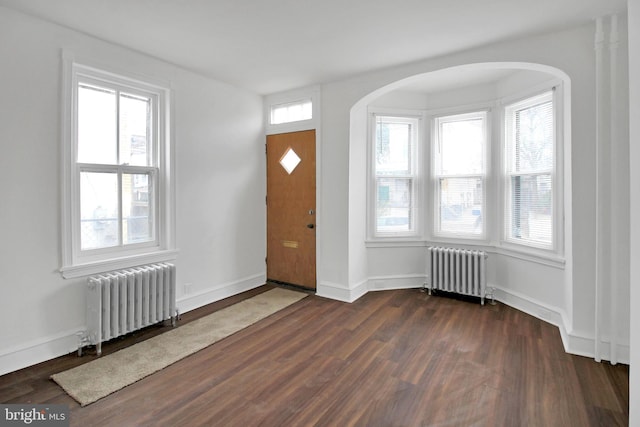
x: 48, y: 348
x: 531, y: 306
x: 38, y: 351
x: 191, y: 302
x: 582, y: 345
x: 340, y: 293
x: 575, y: 342
x: 405, y: 281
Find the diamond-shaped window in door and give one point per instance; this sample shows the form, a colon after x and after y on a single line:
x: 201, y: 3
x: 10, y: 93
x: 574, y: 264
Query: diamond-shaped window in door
x: 290, y: 160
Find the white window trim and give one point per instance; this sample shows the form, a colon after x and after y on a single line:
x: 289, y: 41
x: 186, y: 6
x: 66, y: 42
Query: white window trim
x: 73, y: 263
x: 298, y: 102
x: 417, y: 234
x: 555, y: 251
x: 485, y: 112
x: 305, y: 94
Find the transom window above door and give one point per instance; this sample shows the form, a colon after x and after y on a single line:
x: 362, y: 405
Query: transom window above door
x: 291, y: 112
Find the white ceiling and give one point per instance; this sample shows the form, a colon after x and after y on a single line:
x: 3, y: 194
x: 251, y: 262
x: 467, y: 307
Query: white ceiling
x: 457, y: 78
x: 269, y: 46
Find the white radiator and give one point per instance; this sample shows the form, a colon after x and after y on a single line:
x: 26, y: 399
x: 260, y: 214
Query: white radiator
x: 461, y: 271
x: 123, y: 301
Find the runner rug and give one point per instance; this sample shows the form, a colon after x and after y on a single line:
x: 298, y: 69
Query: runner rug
x: 96, y: 379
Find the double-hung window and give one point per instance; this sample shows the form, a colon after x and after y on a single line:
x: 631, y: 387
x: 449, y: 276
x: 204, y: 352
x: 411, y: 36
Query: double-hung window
x: 117, y: 169
x: 530, y: 147
x: 116, y: 165
x: 459, y: 174
x: 395, y: 147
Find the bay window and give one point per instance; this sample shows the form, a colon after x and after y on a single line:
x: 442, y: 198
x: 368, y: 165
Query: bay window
x: 515, y: 205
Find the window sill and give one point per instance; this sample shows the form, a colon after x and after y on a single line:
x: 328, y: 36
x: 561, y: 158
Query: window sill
x: 538, y: 257
x: 445, y: 240
x: 550, y: 259
x: 395, y: 242
x: 81, y: 270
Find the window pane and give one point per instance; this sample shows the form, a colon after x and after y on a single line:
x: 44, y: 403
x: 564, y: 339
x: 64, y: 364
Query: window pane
x: 534, y: 139
x: 393, y: 147
x: 461, y: 202
x: 292, y: 112
x: 462, y: 147
x: 137, y: 208
x: 97, y: 141
x: 98, y: 210
x: 393, y: 204
x: 135, y: 125
x: 531, y: 210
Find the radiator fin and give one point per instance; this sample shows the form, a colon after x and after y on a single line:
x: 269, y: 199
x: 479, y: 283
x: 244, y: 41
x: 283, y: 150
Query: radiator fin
x: 119, y: 302
x: 460, y: 271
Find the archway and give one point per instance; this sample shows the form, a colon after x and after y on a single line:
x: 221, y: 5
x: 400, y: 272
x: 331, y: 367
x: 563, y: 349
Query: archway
x: 396, y: 264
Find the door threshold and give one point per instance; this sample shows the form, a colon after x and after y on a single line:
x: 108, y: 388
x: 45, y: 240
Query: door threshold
x: 291, y: 286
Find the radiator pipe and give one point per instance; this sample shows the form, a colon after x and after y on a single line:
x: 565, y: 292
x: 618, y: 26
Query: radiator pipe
x: 598, y: 45
x: 613, y: 135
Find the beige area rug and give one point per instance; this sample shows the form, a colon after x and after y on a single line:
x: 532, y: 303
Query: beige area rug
x: 108, y: 374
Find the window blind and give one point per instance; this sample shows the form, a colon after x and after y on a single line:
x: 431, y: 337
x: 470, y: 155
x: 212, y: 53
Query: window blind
x: 530, y: 171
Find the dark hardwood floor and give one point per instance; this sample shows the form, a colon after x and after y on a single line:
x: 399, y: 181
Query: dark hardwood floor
x: 392, y: 358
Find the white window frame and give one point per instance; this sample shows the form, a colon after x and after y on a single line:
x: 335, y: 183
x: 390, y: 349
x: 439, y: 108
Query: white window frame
x: 299, y: 103
x: 311, y: 94
x: 468, y: 114
x: 415, y: 231
x: 555, y: 248
x: 77, y: 262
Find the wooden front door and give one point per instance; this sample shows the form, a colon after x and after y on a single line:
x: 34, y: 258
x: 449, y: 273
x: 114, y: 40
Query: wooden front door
x: 291, y: 208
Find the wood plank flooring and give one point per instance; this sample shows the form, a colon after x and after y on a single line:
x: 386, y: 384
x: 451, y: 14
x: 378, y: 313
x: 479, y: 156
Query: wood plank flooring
x: 392, y: 358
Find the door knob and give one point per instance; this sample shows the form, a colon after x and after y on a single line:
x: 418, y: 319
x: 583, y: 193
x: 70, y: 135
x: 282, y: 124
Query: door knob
x: 310, y: 226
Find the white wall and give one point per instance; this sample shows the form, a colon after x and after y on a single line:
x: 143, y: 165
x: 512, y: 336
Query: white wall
x: 220, y: 186
x: 342, y: 275
x: 634, y: 112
